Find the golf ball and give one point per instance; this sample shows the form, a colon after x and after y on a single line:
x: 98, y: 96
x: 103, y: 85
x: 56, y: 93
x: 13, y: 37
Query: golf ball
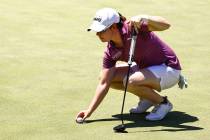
x: 79, y: 120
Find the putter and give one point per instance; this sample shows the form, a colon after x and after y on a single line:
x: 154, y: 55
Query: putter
x: 121, y: 128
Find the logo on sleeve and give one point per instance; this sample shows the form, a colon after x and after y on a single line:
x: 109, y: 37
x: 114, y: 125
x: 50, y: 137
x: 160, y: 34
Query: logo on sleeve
x: 116, y: 55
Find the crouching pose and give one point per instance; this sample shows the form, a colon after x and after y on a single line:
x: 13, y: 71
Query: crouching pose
x: 156, y: 65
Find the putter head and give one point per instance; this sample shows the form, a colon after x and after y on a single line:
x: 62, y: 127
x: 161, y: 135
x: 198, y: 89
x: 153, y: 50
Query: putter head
x: 120, y: 129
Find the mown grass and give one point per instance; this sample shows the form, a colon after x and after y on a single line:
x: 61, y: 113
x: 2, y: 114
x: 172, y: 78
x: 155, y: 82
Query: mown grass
x: 49, y: 68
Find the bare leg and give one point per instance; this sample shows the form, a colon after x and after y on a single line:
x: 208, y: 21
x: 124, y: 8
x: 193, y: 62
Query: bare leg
x: 146, y: 93
x: 141, y: 83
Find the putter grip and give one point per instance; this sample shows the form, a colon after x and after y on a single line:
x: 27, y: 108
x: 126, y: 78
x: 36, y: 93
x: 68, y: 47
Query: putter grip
x: 133, y: 33
x: 132, y: 47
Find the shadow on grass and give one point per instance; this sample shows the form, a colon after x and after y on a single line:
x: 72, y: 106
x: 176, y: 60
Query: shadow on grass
x: 174, y: 120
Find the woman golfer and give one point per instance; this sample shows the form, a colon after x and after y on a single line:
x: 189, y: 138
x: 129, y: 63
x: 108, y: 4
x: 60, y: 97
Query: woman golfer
x: 156, y: 65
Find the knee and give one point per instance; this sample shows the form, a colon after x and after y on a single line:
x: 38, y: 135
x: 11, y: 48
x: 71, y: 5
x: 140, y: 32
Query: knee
x: 133, y: 86
x: 131, y: 82
x: 130, y: 85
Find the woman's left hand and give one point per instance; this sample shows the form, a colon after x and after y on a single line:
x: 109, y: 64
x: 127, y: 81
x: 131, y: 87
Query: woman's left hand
x: 137, y: 21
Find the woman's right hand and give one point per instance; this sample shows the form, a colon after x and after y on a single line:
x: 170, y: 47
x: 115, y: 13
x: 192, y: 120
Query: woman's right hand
x: 83, y: 114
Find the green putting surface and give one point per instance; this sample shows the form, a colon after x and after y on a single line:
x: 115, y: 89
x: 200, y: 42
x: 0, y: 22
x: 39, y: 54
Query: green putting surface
x: 49, y: 67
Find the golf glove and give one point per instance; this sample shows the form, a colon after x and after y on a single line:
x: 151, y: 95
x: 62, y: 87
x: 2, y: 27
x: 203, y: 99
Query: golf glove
x: 182, y: 82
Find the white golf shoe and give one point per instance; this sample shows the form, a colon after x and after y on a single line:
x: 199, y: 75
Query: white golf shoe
x: 160, y: 111
x: 142, y: 107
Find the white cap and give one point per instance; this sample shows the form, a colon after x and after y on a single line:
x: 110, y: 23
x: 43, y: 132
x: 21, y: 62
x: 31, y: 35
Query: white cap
x: 103, y: 19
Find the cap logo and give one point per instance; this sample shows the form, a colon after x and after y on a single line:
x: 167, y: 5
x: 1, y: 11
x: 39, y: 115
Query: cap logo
x: 97, y: 19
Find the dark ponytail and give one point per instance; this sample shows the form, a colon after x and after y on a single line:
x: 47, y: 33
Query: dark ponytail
x: 120, y: 24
